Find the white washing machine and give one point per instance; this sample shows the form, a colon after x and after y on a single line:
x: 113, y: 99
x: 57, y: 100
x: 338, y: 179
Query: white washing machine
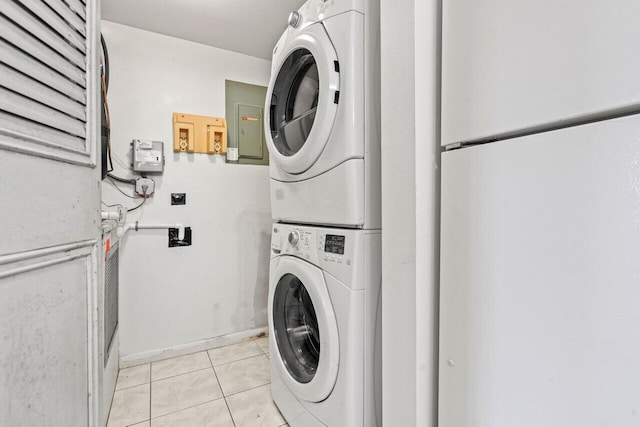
x: 324, y: 325
x: 323, y: 116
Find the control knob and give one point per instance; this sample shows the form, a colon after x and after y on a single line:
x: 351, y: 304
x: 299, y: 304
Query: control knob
x: 294, y: 237
x: 294, y: 19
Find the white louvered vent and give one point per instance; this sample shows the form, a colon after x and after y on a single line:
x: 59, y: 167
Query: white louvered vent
x: 43, y: 78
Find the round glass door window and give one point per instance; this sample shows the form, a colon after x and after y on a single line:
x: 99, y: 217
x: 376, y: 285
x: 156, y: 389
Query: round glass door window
x: 294, y: 102
x: 296, y: 328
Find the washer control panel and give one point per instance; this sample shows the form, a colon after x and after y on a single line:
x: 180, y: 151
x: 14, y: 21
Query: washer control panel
x: 331, y: 249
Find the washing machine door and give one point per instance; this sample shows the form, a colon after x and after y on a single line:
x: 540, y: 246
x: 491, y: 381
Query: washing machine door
x: 303, y: 327
x: 302, y: 99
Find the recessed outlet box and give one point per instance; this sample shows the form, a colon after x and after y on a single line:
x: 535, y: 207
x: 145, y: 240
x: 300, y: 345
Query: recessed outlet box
x: 178, y: 198
x: 215, y: 135
x: 174, y: 237
x: 186, y: 138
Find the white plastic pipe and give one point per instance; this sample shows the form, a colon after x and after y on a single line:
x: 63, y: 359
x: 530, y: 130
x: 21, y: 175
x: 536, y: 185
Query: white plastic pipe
x: 136, y: 226
x: 120, y: 214
x: 110, y: 215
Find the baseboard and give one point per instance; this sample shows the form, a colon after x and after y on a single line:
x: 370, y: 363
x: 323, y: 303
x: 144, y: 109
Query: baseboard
x: 194, y: 347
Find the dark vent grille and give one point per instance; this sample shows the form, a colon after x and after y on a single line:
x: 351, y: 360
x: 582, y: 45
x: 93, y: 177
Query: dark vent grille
x: 110, y: 300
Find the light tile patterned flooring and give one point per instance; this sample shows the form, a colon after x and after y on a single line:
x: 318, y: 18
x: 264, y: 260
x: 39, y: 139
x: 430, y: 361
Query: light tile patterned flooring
x: 226, y: 386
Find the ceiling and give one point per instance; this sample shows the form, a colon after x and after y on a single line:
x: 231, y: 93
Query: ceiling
x: 251, y: 27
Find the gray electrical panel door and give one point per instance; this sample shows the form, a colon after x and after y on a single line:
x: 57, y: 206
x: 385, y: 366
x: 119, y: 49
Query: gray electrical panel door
x: 245, y: 116
x: 250, y: 131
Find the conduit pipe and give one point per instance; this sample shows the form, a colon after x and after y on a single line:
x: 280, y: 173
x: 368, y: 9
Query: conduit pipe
x: 137, y: 226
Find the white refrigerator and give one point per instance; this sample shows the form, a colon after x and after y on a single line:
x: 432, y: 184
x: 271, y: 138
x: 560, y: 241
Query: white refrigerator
x: 540, y: 238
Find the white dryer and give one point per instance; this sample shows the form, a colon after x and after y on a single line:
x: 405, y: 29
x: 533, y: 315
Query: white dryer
x: 322, y: 116
x: 324, y: 325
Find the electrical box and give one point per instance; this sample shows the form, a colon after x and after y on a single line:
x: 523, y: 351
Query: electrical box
x: 245, y: 115
x: 145, y: 187
x: 250, y: 131
x: 199, y: 134
x: 147, y: 156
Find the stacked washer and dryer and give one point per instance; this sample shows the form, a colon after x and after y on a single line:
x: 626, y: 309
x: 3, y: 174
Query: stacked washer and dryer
x: 322, y: 129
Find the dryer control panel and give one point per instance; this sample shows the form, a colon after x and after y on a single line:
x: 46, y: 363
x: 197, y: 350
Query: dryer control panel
x: 339, y: 252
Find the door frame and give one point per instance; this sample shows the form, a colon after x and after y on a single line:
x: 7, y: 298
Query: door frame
x: 87, y: 249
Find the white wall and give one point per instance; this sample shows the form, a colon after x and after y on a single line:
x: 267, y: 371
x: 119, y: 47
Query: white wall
x: 217, y: 286
x: 410, y: 45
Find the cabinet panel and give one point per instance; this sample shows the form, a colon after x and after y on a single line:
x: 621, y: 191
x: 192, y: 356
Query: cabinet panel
x: 539, y: 319
x: 44, y: 347
x: 515, y: 66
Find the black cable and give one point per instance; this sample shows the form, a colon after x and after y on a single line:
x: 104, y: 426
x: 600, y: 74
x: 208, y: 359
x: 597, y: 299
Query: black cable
x: 144, y: 187
x: 106, y: 117
x: 131, y: 197
x: 118, y: 188
x: 106, y: 62
x: 133, y: 209
x: 110, y: 168
x: 123, y: 180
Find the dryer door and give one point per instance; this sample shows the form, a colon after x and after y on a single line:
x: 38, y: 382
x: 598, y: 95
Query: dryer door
x: 304, y: 332
x: 302, y: 99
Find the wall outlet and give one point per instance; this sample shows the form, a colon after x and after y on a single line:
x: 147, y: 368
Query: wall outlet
x: 232, y: 154
x: 178, y: 198
x: 145, y: 187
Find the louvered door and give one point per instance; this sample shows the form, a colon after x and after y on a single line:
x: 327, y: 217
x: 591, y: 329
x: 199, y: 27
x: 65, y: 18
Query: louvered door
x: 49, y: 211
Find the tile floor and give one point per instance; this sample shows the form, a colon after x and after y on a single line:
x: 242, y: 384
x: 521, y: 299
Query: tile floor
x: 226, y: 386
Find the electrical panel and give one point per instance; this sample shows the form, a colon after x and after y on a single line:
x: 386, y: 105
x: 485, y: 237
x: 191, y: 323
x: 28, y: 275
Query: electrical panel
x: 199, y: 134
x: 244, y: 108
x: 250, y: 131
x: 147, y: 156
